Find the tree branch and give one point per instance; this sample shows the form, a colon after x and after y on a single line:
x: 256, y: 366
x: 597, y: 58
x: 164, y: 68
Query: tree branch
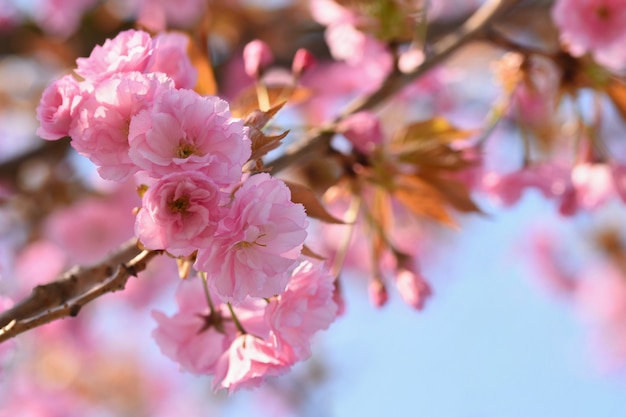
x: 75, y: 288
x: 80, y: 285
x: 310, y: 148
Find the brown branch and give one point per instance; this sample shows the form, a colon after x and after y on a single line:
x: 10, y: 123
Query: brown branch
x: 313, y: 146
x: 75, y: 288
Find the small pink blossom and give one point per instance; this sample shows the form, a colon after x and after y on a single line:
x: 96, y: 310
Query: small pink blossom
x: 550, y: 179
x: 129, y: 51
x: 180, y: 213
x: 56, y: 108
x: 593, y: 184
x: 187, y: 337
x: 100, y: 127
x: 247, y: 363
x: 184, y: 131
x: 305, y: 308
x: 257, y: 56
x: 594, y: 26
x: 169, y: 56
x: 257, y: 243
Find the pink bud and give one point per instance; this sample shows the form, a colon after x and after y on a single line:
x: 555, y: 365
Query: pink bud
x: 302, y: 61
x: 413, y: 289
x: 257, y: 56
x: 378, y: 293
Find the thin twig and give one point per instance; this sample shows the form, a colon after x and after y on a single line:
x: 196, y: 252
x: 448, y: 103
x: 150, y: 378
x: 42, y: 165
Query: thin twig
x: 310, y: 148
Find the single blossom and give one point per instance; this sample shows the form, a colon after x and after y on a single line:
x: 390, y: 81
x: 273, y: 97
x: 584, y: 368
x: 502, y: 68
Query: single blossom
x: 130, y: 50
x: 184, y: 132
x: 257, y: 243
x: 593, y: 26
x: 189, y: 337
x: 100, y: 126
x: 169, y: 56
x: 56, y: 108
x: 305, y: 308
x: 180, y: 213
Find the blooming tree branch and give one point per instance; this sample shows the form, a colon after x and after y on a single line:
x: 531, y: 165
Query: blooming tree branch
x: 310, y: 148
x: 80, y: 285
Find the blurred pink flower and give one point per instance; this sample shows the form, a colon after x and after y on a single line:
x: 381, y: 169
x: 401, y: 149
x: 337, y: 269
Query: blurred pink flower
x: 257, y: 243
x: 60, y: 18
x: 180, y: 213
x: 56, y: 108
x: 551, y: 180
x: 378, y: 294
x: 89, y: 229
x: 363, y: 130
x: 594, y: 26
x: 184, y: 131
x: 100, y: 127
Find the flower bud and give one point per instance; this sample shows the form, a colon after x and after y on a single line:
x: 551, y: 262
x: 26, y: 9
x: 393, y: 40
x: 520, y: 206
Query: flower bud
x: 257, y: 56
x: 378, y: 293
x: 302, y: 61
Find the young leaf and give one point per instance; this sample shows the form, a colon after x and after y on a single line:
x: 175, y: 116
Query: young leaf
x: 421, y: 198
x: 262, y: 143
x: 314, y: 208
x: 199, y: 57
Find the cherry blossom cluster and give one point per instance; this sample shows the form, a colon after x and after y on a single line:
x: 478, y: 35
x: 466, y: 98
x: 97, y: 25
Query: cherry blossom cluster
x: 133, y: 114
x: 210, y: 339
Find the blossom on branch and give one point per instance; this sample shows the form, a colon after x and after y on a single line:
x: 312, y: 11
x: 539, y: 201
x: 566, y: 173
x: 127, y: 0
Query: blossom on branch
x: 257, y: 243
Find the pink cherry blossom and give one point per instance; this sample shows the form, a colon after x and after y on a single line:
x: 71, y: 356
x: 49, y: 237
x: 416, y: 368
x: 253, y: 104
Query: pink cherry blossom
x: 180, y: 213
x: 56, y: 108
x: 129, y: 51
x: 169, y: 56
x: 247, y: 363
x: 100, y: 127
x: 552, y: 180
x: 594, y: 26
x: 257, y: 56
x: 305, y: 308
x: 187, y: 337
x: 593, y: 184
x: 257, y: 243
x: 184, y: 131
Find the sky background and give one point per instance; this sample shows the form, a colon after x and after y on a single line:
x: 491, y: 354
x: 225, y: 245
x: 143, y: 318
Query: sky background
x: 491, y: 343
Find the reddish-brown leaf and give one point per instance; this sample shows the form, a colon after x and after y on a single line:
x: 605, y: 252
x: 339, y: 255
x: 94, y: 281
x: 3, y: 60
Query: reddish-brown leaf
x: 199, y: 57
x: 422, y: 199
x: 306, y: 251
x: 314, y: 208
x: 262, y: 143
x: 616, y: 91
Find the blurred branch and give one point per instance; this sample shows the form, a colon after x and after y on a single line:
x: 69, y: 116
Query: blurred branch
x: 78, y: 286
x: 311, y: 147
